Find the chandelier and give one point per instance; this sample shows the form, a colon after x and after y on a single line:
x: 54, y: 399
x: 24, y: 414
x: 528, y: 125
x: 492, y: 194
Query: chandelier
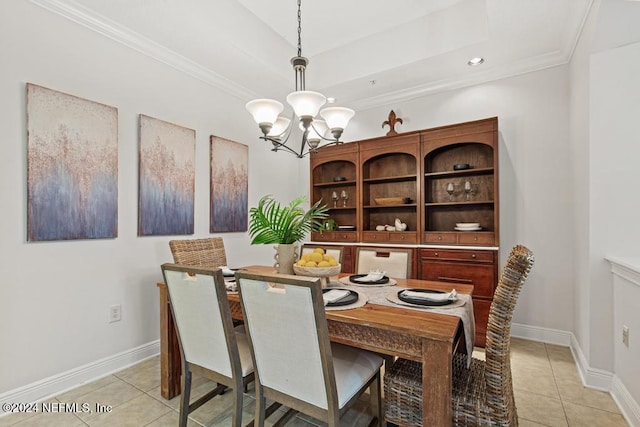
x: 306, y: 104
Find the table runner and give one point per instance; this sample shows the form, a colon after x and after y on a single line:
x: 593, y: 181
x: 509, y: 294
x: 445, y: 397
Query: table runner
x: 378, y: 295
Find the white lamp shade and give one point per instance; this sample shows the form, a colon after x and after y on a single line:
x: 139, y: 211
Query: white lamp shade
x: 264, y: 110
x: 281, y: 125
x: 337, y: 117
x: 317, y: 125
x: 306, y: 103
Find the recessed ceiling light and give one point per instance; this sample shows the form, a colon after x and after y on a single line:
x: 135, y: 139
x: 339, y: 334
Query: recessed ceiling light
x: 331, y: 100
x: 475, y: 61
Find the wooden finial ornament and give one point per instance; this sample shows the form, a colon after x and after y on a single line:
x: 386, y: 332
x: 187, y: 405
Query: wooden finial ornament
x: 392, y: 123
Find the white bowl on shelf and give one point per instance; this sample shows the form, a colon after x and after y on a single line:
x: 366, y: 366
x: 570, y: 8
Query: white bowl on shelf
x: 467, y: 224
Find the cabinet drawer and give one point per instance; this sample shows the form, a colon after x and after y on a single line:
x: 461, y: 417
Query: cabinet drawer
x: 480, y: 276
x: 375, y: 236
x: 440, y: 238
x: 403, y: 237
x: 468, y: 256
x: 481, y: 316
x: 476, y: 238
x: 327, y: 236
x: 345, y: 236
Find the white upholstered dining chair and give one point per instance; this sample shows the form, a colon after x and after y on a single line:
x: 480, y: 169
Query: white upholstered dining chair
x: 295, y: 363
x: 395, y: 262
x: 209, y: 343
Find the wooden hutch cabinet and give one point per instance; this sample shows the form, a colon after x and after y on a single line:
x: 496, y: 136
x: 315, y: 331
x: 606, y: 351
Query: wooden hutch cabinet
x: 432, y: 180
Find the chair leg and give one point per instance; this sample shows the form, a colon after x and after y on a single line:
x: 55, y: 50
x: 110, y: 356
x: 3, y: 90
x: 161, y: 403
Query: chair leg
x: 236, y: 417
x: 260, y: 407
x: 184, y: 397
x: 376, y: 400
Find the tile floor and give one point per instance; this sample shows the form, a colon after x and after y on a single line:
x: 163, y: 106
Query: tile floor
x: 547, y: 387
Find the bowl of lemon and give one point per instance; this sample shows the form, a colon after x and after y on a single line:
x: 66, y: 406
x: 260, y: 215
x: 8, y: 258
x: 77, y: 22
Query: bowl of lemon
x: 317, y: 264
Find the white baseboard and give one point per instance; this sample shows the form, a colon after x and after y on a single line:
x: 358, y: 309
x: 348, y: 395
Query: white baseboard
x: 57, y: 384
x: 629, y: 407
x: 546, y: 335
x: 595, y: 378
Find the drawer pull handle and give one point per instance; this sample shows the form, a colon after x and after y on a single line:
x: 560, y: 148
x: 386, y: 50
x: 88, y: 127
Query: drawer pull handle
x: 454, y: 279
x: 475, y: 238
x: 435, y: 254
x: 439, y: 237
x: 473, y: 255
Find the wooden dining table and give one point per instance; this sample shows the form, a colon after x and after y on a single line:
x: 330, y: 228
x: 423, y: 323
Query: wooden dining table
x: 420, y: 335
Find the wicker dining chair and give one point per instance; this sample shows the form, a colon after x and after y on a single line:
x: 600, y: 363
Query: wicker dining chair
x: 209, y: 343
x: 207, y: 252
x: 482, y: 393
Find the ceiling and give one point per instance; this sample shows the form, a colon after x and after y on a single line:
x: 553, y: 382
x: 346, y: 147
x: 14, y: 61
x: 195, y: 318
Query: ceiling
x: 364, y: 53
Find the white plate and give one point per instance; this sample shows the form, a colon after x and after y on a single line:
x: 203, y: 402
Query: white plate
x: 468, y: 229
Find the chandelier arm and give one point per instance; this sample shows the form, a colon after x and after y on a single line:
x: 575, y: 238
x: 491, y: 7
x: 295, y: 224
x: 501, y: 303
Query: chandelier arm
x: 332, y: 140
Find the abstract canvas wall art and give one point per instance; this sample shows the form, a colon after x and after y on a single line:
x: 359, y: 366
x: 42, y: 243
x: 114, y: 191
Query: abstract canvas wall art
x: 167, y: 178
x: 72, y: 167
x: 229, y: 186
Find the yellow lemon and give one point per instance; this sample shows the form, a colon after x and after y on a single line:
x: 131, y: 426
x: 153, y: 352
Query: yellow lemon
x: 319, y: 250
x: 332, y: 262
x: 316, y: 257
x: 306, y: 257
x: 324, y: 264
x: 301, y: 263
x: 310, y: 264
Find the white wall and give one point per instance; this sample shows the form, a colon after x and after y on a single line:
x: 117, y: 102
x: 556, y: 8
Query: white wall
x: 614, y: 149
x: 535, y: 175
x: 56, y: 295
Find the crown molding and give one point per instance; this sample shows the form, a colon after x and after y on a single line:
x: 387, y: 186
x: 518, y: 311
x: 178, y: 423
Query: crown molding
x: 523, y: 67
x: 102, y: 25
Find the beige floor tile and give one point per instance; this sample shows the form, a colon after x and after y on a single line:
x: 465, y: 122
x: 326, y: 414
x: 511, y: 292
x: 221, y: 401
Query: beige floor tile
x: 580, y: 395
x: 145, y: 378
x: 137, y: 412
x: 540, y: 409
x: 12, y: 419
x: 565, y: 371
x: 519, y: 345
x: 113, y: 394
x: 76, y: 393
x: 533, y: 380
x: 557, y: 352
x: 526, y: 423
x: 170, y: 420
x: 580, y: 416
x: 199, y: 387
x: 51, y: 420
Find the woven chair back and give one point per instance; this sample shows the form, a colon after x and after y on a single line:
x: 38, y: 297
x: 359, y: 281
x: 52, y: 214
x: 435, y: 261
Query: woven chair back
x: 207, y: 252
x: 498, y: 382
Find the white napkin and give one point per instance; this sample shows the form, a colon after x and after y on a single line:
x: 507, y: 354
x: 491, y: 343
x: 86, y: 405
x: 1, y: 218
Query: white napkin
x: 226, y: 271
x: 334, y: 295
x: 373, y: 276
x: 450, y: 296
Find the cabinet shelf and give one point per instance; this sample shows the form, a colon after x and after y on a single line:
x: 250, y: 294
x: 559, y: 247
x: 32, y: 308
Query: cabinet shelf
x: 469, y: 203
x: 398, y: 178
x: 334, y: 184
x: 405, y: 205
x: 446, y: 174
x: 341, y: 208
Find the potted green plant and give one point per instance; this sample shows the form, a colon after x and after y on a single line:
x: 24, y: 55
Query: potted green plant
x: 284, y: 226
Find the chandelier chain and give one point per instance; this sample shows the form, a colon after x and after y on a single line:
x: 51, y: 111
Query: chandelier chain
x: 299, y: 30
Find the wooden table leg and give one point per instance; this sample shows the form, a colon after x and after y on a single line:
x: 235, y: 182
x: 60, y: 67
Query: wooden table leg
x: 436, y: 383
x: 170, y: 369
